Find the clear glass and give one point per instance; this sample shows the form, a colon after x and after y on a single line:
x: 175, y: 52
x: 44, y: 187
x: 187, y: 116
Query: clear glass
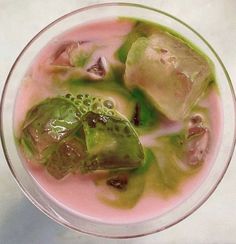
x: 51, y: 208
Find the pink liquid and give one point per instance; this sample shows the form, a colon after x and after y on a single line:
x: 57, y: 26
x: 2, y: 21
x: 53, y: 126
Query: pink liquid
x: 78, y: 193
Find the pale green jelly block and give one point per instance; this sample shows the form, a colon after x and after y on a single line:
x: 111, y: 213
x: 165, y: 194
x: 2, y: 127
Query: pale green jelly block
x: 169, y: 71
x: 111, y: 143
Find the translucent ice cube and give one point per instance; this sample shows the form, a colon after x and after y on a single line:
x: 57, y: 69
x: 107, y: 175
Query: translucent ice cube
x: 169, y: 71
x: 46, y: 124
x: 66, y: 158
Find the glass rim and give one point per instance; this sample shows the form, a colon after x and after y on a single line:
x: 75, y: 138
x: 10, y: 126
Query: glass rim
x: 84, y: 9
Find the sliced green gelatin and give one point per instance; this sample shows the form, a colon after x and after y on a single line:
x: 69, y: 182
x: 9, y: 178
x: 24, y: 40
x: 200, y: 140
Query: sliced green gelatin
x: 111, y: 143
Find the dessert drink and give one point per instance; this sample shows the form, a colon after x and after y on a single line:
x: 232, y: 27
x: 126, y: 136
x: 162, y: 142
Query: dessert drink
x: 119, y: 120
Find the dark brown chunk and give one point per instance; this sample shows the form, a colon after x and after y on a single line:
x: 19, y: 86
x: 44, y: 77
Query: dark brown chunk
x: 98, y: 68
x: 119, y: 182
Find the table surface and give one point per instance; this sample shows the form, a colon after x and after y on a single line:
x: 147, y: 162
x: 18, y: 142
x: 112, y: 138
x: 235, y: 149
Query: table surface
x: 20, y: 221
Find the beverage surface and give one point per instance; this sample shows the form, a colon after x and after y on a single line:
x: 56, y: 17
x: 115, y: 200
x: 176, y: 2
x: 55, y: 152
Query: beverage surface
x: 119, y: 120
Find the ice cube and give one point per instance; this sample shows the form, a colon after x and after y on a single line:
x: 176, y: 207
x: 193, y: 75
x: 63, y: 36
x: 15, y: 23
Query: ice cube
x: 169, y: 71
x: 48, y: 123
x: 66, y: 158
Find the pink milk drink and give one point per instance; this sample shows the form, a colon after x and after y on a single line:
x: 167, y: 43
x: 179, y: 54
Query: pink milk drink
x: 119, y: 120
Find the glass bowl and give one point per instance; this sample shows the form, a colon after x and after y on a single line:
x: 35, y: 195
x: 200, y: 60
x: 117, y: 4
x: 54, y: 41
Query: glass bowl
x: 80, y: 223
